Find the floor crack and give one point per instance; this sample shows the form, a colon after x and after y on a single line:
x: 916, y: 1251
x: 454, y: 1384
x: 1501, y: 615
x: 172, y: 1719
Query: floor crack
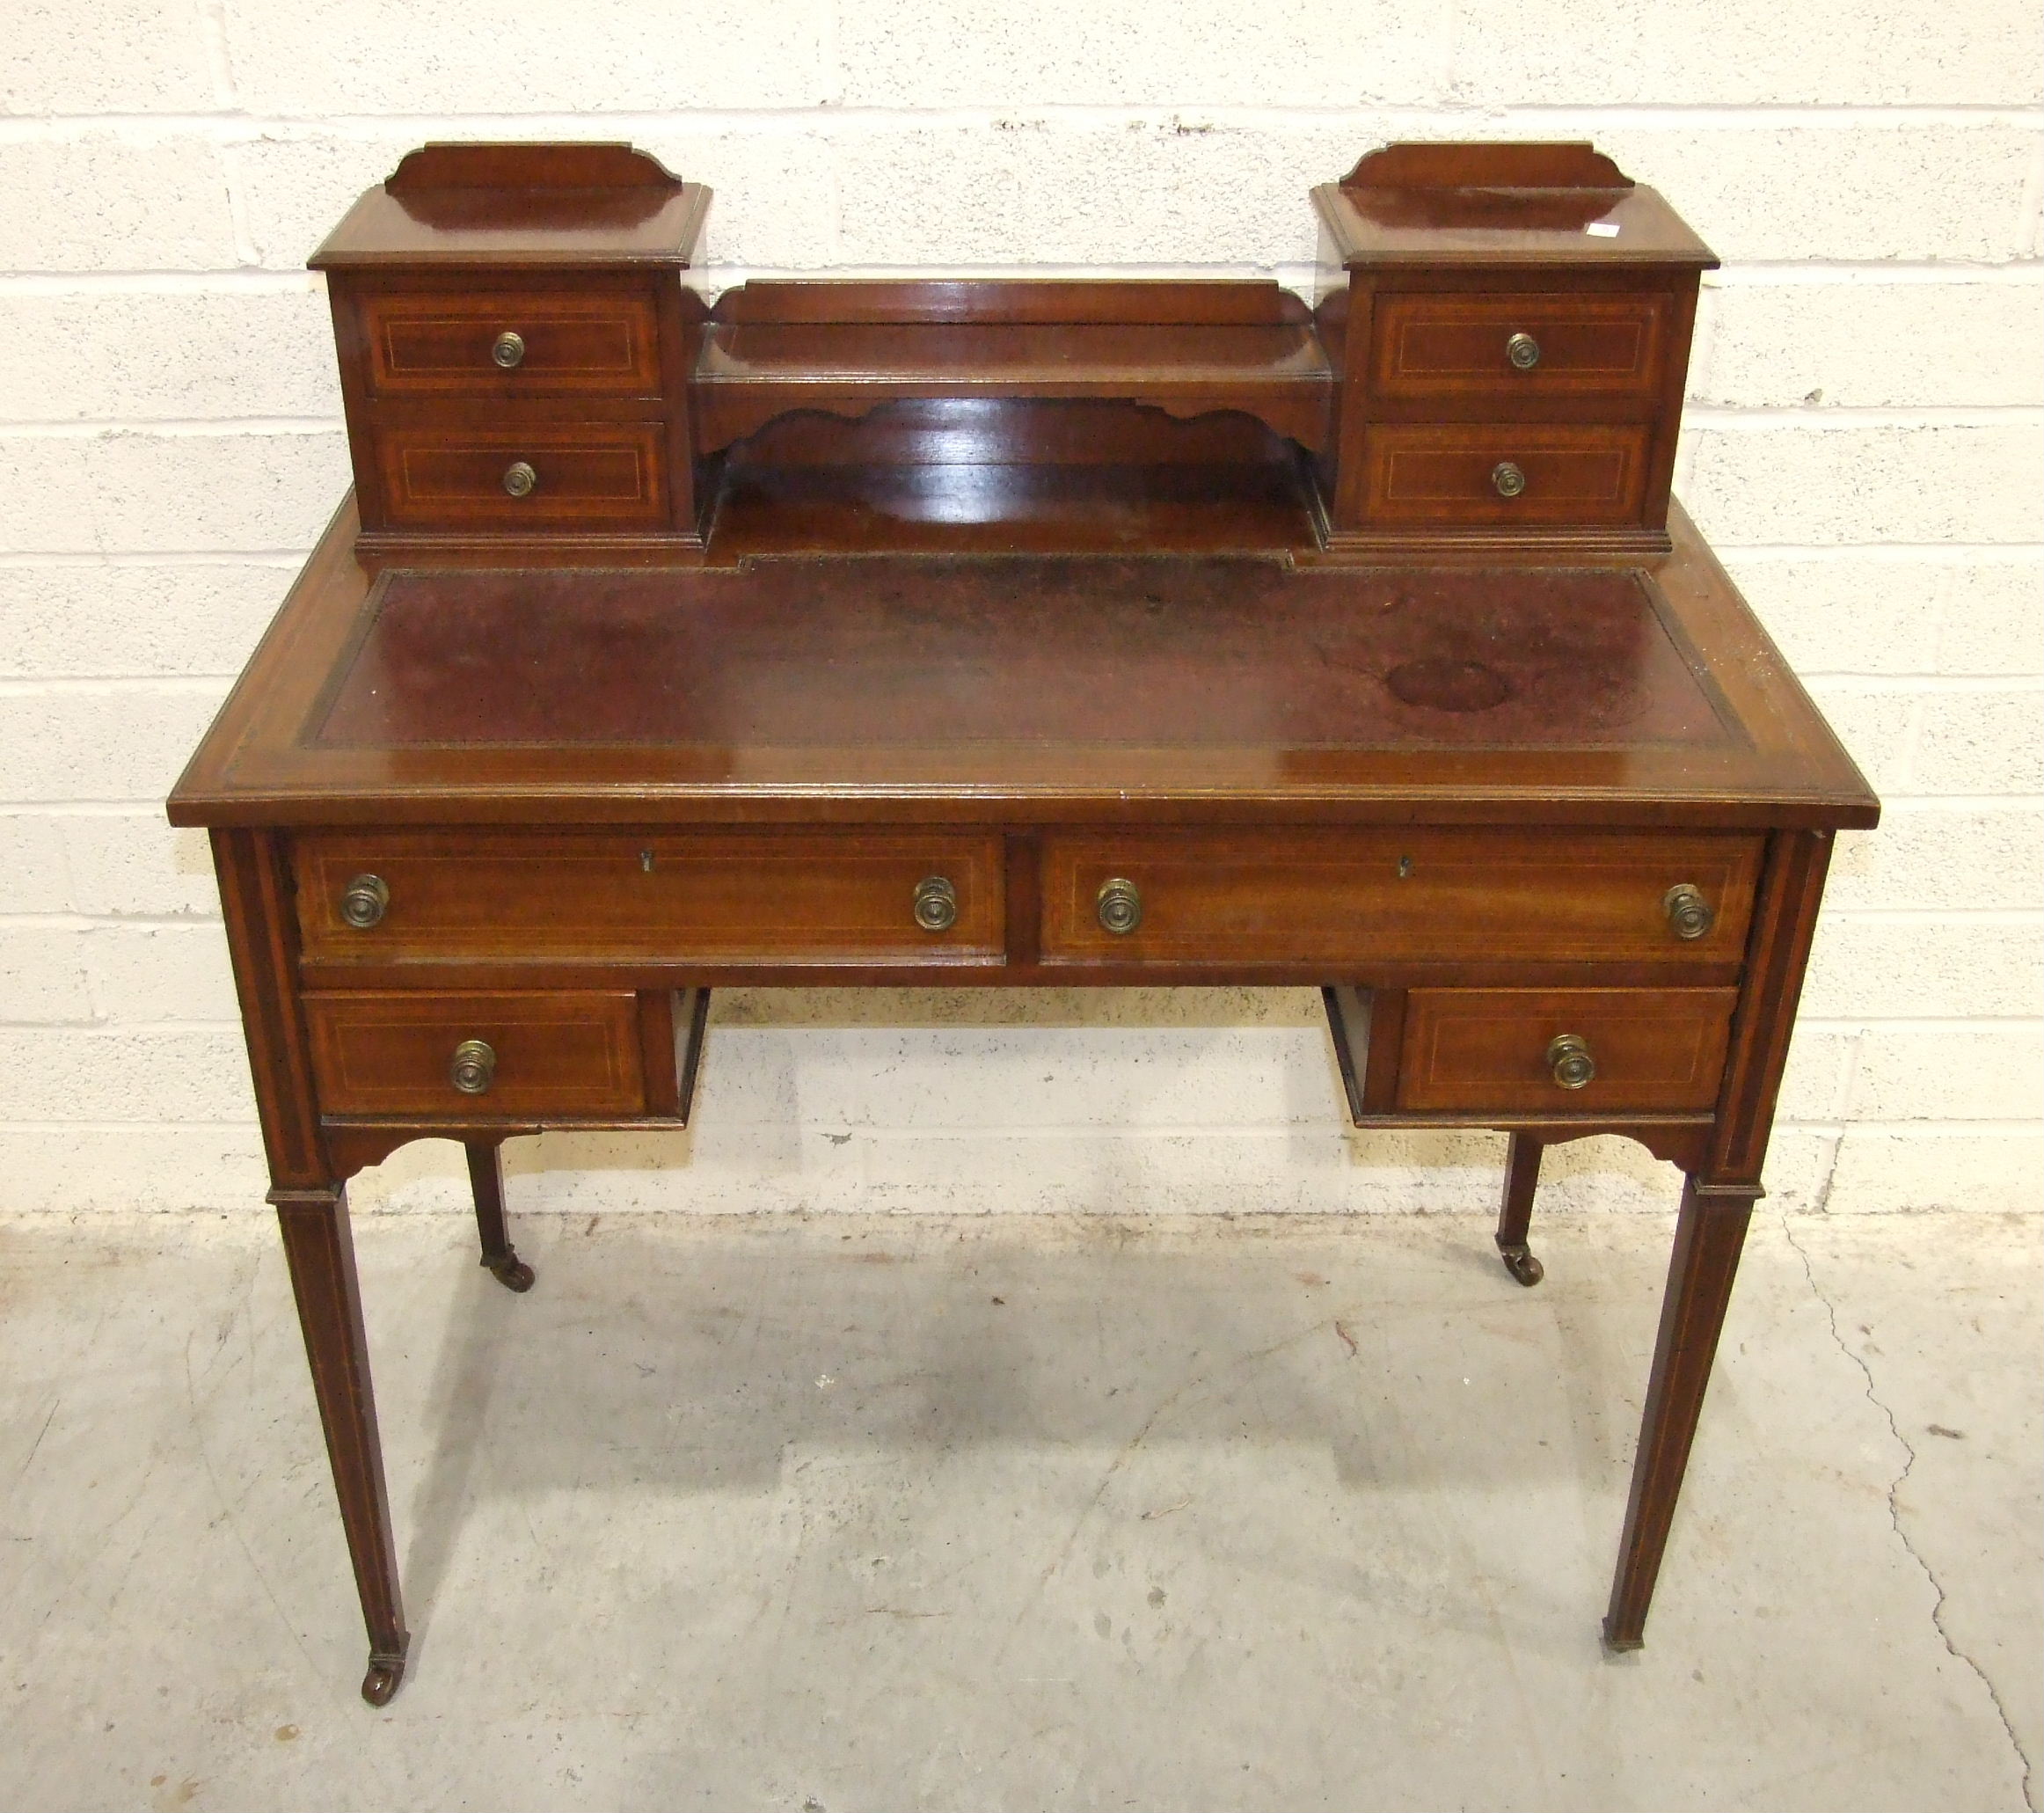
x: 1895, y: 1507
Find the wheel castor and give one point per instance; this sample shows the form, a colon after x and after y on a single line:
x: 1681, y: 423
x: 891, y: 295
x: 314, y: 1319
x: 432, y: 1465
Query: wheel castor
x: 385, y: 1674
x: 510, y: 1271
x: 1521, y: 1264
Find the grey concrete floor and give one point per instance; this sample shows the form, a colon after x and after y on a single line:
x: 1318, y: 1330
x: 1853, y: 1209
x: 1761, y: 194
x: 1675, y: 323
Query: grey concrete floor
x: 1016, y: 1513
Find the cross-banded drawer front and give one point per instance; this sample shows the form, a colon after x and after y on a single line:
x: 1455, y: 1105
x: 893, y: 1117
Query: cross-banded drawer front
x: 537, y: 475
x: 512, y: 343
x: 1348, y: 899
x: 1564, y: 1050
x: 1497, y: 474
x: 1519, y: 347
x: 674, y: 897
x: 477, y: 1056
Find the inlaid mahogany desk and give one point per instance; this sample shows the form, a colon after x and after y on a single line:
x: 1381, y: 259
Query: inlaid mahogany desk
x: 1008, y: 634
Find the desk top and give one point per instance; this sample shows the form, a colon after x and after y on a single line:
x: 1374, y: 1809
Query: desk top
x: 1073, y: 688
x: 1030, y: 651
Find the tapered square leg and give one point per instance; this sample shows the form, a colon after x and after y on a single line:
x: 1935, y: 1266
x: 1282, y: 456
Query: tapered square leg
x: 319, y: 1249
x: 1708, y: 1239
x: 1515, y: 1214
x: 486, y: 1179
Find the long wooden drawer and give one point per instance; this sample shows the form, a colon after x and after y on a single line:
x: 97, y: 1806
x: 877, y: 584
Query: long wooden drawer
x: 722, y: 896
x: 518, y: 1054
x: 1347, y: 899
x: 506, y: 342
x: 1518, y: 347
x: 1564, y: 1050
x: 540, y: 474
x: 1505, y: 473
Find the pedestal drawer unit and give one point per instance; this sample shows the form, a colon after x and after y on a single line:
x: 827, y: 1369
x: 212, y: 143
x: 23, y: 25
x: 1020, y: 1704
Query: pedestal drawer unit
x: 1509, y: 356
x: 510, y: 388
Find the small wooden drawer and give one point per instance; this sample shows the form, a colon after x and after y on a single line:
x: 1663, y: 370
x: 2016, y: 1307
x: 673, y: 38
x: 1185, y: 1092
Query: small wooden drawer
x: 541, y: 475
x: 1346, y: 899
x: 1504, y: 474
x: 1464, y: 345
x: 1514, y: 1050
x: 512, y: 343
x: 655, y: 897
x: 519, y: 1053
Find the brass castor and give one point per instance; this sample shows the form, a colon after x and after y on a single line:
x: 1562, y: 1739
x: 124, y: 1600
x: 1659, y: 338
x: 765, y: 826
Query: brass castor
x: 1521, y: 1264
x: 510, y: 1271
x: 384, y: 1678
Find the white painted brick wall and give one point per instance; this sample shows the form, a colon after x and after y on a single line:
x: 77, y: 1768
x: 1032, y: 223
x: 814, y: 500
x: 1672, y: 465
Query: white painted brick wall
x: 1866, y: 442
x: 1739, y: 53
x: 171, y: 353
x: 1946, y: 345
x: 120, y: 56
x: 136, y: 621
x: 144, y: 200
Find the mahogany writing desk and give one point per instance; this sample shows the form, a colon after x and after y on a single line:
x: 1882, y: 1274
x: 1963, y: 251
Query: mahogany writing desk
x: 1003, y: 655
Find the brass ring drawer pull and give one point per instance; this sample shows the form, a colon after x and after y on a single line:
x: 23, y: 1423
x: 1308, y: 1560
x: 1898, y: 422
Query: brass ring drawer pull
x: 936, y: 904
x: 509, y: 350
x: 1119, y: 906
x: 1507, y: 480
x: 473, y: 1067
x: 363, y: 904
x: 1569, y: 1061
x: 1687, y: 909
x: 1523, y: 351
x: 519, y: 478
